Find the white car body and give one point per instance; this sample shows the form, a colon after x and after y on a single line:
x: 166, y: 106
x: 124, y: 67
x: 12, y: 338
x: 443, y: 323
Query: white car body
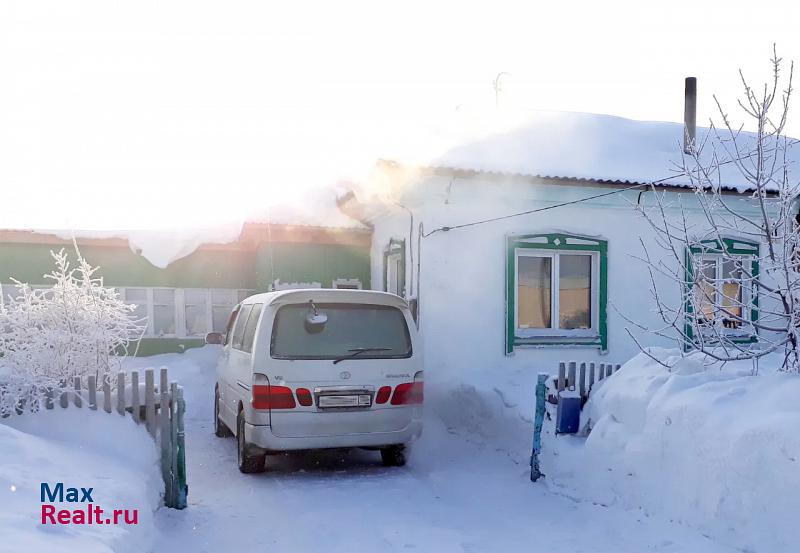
x: 325, y: 423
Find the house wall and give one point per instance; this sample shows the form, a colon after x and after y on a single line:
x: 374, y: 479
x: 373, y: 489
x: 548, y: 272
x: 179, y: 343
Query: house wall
x: 313, y: 263
x: 119, y: 266
x: 463, y: 271
x: 238, y: 267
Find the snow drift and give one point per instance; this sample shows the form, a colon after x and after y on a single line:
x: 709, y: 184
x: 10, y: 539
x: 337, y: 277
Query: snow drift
x: 79, y: 448
x: 716, y: 448
x: 555, y: 144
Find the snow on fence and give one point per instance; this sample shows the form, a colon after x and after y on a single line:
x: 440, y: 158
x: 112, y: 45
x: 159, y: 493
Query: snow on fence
x: 582, y: 378
x: 572, y: 386
x: 160, y: 408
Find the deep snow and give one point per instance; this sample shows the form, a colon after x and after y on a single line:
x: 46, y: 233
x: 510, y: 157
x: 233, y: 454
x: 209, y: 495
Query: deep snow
x: 80, y: 448
x: 465, y: 489
x: 560, y: 144
x: 688, y: 459
x: 711, y: 446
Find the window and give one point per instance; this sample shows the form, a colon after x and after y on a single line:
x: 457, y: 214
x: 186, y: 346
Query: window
x: 556, y: 291
x: 244, y: 294
x: 349, y: 326
x: 238, y: 330
x: 164, y: 311
x: 138, y: 298
x: 12, y: 291
x: 394, y: 267
x: 9, y: 291
x: 278, y: 286
x: 222, y: 303
x: 347, y: 284
x: 194, y: 311
x: 722, y: 298
x: 183, y: 312
x: 250, y: 328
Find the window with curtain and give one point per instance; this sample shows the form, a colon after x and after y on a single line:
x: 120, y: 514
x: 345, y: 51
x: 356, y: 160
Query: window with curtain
x: 555, y: 290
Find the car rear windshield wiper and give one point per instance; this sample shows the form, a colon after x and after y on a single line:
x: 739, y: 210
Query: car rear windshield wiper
x: 358, y: 351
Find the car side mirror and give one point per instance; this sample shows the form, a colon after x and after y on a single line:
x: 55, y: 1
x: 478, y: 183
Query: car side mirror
x: 214, y: 338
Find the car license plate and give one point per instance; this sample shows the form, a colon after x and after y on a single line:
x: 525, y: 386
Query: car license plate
x: 360, y: 400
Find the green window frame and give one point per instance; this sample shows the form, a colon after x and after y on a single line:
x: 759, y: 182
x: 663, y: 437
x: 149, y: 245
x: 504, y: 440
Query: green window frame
x: 395, y: 255
x: 552, y: 245
x: 709, y: 249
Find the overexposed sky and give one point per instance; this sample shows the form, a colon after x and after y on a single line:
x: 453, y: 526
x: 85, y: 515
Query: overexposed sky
x: 145, y: 114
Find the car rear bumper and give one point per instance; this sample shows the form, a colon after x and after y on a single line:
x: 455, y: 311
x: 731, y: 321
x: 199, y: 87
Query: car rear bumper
x: 262, y: 436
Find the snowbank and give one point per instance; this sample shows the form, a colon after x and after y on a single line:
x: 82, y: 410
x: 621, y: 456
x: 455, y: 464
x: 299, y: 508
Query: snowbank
x: 195, y: 370
x: 564, y: 144
x: 716, y: 448
x: 80, y: 448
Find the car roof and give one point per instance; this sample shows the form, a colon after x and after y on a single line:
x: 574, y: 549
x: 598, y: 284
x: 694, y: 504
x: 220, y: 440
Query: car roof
x: 327, y: 295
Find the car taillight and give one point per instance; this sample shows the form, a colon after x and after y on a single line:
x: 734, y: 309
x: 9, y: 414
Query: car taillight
x: 383, y: 394
x: 304, y: 397
x: 266, y: 396
x: 408, y: 393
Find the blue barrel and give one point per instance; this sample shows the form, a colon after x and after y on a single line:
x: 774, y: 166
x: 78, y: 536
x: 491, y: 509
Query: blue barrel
x: 568, y: 413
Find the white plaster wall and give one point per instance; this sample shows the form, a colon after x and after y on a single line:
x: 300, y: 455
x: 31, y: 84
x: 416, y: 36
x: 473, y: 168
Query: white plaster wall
x: 462, y: 284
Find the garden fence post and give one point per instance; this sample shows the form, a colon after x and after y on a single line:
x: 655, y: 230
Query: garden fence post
x: 150, y: 401
x: 571, y: 377
x: 121, y: 393
x: 135, y: 406
x: 164, y: 430
x: 77, y: 398
x: 172, y: 497
x: 91, y: 384
x: 64, y: 396
x: 541, y: 391
x: 107, y: 392
x: 182, y: 490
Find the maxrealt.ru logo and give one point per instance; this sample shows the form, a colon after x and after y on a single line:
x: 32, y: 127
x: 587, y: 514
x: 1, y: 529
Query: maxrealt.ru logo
x: 86, y: 513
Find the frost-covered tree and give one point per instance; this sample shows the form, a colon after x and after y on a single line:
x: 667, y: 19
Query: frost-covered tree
x: 734, y: 256
x: 77, y: 327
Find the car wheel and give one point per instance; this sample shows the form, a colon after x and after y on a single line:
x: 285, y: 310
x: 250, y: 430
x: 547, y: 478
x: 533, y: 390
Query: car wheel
x: 249, y: 463
x: 393, y: 456
x: 220, y: 430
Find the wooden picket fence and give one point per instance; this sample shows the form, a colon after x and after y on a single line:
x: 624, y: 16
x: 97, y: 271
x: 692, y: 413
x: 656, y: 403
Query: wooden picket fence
x: 583, y: 376
x: 161, y: 409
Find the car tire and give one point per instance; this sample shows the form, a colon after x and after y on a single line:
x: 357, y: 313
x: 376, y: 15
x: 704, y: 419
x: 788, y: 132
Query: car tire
x: 220, y: 430
x: 393, y: 456
x: 249, y: 463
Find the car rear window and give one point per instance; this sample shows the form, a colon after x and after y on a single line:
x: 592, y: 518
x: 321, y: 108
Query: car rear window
x: 349, y: 327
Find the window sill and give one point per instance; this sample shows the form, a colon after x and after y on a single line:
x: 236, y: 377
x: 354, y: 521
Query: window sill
x: 734, y: 339
x: 551, y: 341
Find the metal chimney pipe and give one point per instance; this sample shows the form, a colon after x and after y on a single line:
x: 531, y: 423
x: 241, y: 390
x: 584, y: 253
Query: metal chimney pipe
x: 689, y: 114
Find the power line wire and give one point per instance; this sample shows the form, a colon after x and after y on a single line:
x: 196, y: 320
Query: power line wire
x: 546, y: 208
x: 563, y: 204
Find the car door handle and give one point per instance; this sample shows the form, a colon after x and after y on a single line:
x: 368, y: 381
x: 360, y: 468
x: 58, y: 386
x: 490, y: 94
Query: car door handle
x: 243, y: 385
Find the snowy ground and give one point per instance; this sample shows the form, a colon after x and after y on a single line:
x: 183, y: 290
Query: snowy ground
x: 465, y: 489
x: 80, y: 448
x: 713, y: 446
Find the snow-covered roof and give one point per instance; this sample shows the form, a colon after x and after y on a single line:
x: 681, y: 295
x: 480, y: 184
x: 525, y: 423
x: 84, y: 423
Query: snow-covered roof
x: 568, y: 145
x: 163, y: 244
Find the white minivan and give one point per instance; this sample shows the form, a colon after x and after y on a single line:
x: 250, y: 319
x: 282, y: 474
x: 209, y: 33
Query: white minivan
x: 314, y: 369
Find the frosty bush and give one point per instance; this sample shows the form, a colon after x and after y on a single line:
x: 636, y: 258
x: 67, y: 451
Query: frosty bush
x: 738, y: 302
x: 76, y: 328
